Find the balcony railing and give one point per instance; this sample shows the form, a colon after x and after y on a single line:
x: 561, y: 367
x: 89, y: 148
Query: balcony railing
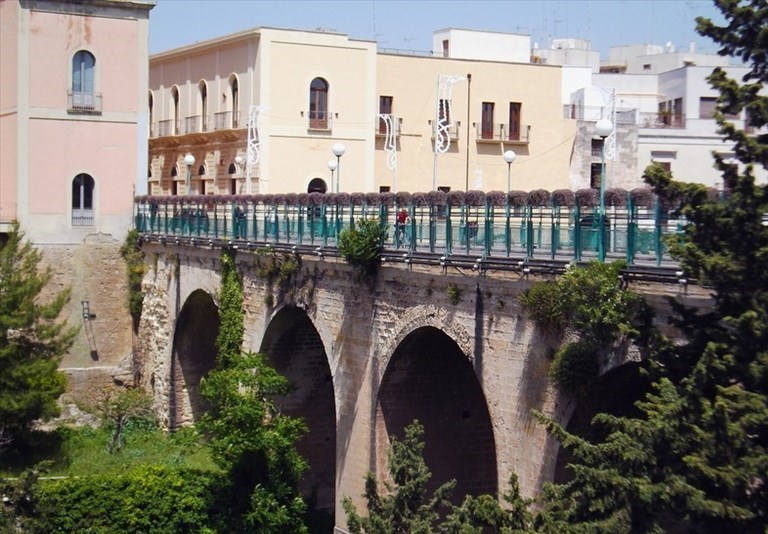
x: 595, y: 113
x: 195, y: 124
x: 79, y: 102
x: 167, y: 127
x: 82, y: 217
x: 453, y: 130
x: 226, y: 120
x: 662, y: 120
x: 381, y: 125
x: 319, y: 120
x: 498, y: 132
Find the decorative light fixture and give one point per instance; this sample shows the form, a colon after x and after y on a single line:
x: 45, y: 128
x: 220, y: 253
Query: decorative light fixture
x: 603, y: 128
x: 338, y: 150
x: 509, y: 157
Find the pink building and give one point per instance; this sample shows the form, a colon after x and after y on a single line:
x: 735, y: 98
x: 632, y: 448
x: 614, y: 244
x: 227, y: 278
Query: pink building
x: 73, y: 116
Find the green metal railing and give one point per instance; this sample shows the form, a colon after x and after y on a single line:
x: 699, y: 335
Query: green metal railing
x: 636, y: 234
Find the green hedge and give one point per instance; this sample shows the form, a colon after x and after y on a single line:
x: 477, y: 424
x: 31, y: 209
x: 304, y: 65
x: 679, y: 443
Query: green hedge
x: 147, y: 499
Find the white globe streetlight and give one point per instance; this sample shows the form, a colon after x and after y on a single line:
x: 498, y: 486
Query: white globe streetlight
x: 189, y: 160
x: 509, y: 157
x: 603, y: 128
x: 332, y: 165
x: 338, y: 150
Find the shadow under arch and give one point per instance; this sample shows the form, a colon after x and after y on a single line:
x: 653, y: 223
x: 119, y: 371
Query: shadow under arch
x: 295, y: 350
x: 614, y: 393
x: 194, y: 355
x: 430, y: 379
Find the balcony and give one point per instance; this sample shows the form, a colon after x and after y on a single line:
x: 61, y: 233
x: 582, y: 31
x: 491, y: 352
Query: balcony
x: 453, y: 130
x: 85, y: 103
x: 226, y: 120
x: 381, y: 126
x: 195, y: 124
x: 662, y: 120
x: 167, y: 127
x: 502, y: 133
x: 319, y: 120
x: 595, y: 113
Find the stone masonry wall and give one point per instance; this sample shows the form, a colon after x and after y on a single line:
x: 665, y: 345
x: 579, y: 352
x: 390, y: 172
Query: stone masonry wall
x: 361, y: 324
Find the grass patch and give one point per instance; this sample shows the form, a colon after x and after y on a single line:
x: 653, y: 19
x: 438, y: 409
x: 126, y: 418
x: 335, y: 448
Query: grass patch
x: 82, y: 451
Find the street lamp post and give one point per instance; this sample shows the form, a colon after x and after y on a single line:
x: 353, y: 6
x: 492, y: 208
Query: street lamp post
x: 332, y: 165
x: 509, y: 157
x: 189, y: 160
x: 338, y: 151
x: 603, y: 128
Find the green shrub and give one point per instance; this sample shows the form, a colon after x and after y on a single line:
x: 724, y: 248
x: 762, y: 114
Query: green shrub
x: 361, y: 246
x: 136, y: 268
x: 543, y: 301
x: 454, y: 293
x: 574, y: 368
x: 147, y: 499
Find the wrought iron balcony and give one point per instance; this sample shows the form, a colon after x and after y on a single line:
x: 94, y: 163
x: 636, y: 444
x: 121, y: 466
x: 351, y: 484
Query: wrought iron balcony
x: 226, y: 120
x: 502, y: 132
x: 662, y: 120
x: 381, y: 125
x: 81, y: 102
x: 319, y: 120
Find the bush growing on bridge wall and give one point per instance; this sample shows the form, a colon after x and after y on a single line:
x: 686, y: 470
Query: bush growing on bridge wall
x: 361, y: 245
x: 133, y: 256
x: 594, y: 303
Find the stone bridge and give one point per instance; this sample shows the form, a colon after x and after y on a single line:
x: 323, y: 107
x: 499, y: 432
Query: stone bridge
x: 448, y: 346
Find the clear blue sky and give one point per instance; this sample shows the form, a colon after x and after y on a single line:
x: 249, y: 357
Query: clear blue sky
x: 408, y: 25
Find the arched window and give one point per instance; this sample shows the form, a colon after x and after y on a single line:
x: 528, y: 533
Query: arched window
x: 203, y: 106
x: 235, y: 100
x: 83, y: 93
x: 318, y: 104
x: 151, y: 114
x: 82, y: 200
x: 175, y: 111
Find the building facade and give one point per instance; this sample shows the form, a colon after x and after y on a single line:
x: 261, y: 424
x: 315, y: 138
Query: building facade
x: 300, y: 93
x: 73, y: 116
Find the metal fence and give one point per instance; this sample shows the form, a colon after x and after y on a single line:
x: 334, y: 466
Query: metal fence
x: 634, y: 233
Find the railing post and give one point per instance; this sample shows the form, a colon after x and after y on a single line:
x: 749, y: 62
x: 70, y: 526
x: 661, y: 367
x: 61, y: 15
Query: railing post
x: 554, y: 228
x: 631, y: 230
x: 529, y: 233
x: 448, y: 228
x: 657, y: 231
x: 432, y: 226
x: 487, y: 228
x: 324, y: 222
x: 507, y: 229
x: 577, y: 232
x: 412, y: 240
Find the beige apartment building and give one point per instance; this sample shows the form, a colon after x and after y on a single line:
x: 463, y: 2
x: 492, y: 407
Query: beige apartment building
x: 292, y: 96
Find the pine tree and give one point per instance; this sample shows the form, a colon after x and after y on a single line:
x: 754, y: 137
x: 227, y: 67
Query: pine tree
x: 32, y: 341
x: 697, y: 458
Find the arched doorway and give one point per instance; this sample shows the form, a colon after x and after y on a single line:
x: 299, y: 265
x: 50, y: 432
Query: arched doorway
x: 194, y: 355
x: 430, y: 379
x: 296, y: 351
x: 317, y: 185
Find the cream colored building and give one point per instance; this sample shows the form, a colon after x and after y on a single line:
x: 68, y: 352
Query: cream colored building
x: 303, y: 92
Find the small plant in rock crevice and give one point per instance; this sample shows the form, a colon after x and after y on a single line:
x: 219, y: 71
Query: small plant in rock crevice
x: 454, y: 293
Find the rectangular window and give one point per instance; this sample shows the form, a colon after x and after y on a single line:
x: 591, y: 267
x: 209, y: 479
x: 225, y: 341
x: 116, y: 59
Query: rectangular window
x: 677, y: 111
x: 514, y: 120
x: 384, y: 189
x: 597, y: 148
x: 595, y: 174
x: 233, y: 186
x: 385, y: 108
x: 707, y: 107
x: 444, y: 112
x: 486, y: 130
x: 445, y: 48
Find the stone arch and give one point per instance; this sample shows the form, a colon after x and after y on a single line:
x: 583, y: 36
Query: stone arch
x: 430, y: 378
x: 192, y: 357
x: 421, y: 316
x: 614, y: 392
x: 295, y: 349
